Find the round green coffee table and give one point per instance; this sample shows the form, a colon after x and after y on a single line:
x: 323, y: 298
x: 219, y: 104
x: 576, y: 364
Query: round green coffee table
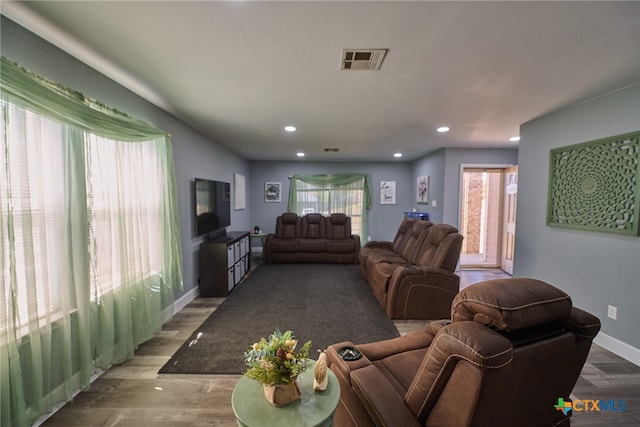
x: 314, y: 408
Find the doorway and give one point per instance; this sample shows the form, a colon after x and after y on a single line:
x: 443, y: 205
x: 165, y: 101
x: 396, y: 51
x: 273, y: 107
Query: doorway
x: 487, y: 216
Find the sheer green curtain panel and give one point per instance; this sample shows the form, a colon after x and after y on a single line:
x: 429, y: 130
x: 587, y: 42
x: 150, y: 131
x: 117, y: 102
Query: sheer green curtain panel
x: 90, y: 254
x: 345, y: 193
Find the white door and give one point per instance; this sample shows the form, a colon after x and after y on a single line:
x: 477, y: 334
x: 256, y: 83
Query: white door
x: 509, y: 215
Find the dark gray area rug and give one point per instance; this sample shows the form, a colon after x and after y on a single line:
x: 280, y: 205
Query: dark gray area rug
x: 324, y: 303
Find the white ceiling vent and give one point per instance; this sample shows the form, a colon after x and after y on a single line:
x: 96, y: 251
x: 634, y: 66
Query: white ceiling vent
x: 362, y: 59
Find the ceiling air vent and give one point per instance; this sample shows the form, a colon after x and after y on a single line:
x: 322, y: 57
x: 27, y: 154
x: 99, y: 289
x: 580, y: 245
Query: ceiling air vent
x: 362, y: 59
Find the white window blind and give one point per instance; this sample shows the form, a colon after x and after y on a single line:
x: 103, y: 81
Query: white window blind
x: 31, y: 191
x: 328, y: 199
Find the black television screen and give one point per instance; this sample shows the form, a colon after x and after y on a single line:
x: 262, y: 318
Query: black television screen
x: 213, y: 205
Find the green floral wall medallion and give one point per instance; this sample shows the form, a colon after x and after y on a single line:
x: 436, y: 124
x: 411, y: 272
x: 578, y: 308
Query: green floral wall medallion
x: 596, y: 185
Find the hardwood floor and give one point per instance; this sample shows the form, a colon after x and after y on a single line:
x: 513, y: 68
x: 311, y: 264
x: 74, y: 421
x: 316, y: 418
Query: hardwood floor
x: 134, y: 394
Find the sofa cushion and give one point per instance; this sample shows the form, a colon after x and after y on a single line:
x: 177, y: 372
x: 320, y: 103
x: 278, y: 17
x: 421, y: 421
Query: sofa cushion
x: 419, y: 231
x: 440, y: 248
x: 313, y: 226
x: 382, y: 256
x: 344, y: 246
x: 338, y: 226
x: 312, y: 245
x: 402, y: 234
x: 288, y: 226
x: 511, y: 304
x: 285, y: 245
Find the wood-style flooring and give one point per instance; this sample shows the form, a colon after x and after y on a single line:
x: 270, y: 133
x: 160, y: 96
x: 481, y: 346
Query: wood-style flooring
x: 134, y: 394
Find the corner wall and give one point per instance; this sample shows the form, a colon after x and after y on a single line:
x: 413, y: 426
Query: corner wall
x: 596, y: 269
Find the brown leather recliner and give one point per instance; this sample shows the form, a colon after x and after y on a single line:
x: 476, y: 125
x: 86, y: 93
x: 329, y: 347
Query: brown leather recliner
x: 342, y: 246
x: 284, y: 245
x: 512, y: 349
x: 313, y: 242
x: 418, y: 283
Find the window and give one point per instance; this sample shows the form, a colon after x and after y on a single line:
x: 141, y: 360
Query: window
x: 327, y: 194
x: 124, y: 226
x: 89, y: 240
x: 32, y: 207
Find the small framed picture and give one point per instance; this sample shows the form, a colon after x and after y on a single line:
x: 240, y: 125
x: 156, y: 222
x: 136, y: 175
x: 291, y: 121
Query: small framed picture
x: 272, y: 192
x: 387, y: 192
x: 423, y: 189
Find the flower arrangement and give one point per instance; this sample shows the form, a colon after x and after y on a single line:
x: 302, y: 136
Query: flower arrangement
x: 275, y: 360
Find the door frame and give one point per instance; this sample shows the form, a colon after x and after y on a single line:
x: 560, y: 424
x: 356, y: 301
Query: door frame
x: 501, y: 166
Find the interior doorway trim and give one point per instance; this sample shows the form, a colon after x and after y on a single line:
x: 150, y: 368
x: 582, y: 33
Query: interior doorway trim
x: 461, y: 190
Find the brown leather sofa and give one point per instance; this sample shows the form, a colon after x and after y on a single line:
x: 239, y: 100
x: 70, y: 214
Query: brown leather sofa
x: 513, y: 348
x: 413, y: 276
x: 312, y: 238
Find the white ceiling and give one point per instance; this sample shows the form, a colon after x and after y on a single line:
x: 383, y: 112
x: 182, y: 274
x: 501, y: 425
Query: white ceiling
x: 239, y: 71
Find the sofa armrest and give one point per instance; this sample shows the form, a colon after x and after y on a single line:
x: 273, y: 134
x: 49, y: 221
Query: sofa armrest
x: 266, y: 250
x: 413, y: 341
x: 421, y: 293
x: 383, y: 403
x: 372, y: 352
x: 357, y: 242
x: 342, y: 368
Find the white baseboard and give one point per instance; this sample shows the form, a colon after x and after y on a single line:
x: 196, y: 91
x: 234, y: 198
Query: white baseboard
x: 186, y: 299
x: 180, y: 303
x: 618, y: 347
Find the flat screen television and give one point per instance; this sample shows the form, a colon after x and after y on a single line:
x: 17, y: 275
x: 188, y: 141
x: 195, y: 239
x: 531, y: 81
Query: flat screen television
x: 212, y: 205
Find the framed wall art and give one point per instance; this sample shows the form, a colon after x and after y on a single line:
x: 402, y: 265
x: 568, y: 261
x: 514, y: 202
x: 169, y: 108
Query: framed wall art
x: 239, y: 200
x: 272, y: 192
x: 596, y: 185
x: 387, y: 192
x: 423, y: 189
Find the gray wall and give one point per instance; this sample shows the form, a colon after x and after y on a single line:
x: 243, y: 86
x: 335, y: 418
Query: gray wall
x: 383, y: 220
x: 433, y: 166
x: 443, y: 168
x: 195, y: 155
x: 455, y: 157
x: 596, y: 269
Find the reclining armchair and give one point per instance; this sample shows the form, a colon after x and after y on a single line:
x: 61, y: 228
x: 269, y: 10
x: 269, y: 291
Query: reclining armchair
x: 512, y: 348
x: 419, y: 283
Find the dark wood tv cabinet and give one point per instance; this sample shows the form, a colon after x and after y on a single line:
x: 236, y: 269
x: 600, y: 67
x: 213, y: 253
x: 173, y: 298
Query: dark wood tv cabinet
x: 224, y: 262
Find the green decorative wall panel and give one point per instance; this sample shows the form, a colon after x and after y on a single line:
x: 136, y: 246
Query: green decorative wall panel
x: 596, y: 185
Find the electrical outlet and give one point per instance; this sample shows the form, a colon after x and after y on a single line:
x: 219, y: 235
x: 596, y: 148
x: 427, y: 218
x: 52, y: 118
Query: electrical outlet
x: 612, y: 312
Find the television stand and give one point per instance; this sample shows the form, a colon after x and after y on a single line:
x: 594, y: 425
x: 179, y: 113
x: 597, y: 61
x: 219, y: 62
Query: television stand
x: 224, y: 262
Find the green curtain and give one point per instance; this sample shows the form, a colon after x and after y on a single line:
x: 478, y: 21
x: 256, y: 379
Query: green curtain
x: 65, y: 105
x: 335, y: 181
x: 109, y: 273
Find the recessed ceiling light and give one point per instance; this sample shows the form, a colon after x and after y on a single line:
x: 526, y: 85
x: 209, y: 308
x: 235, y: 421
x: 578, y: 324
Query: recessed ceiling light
x: 443, y: 129
x: 300, y: 154
x: 397, y: 155
x: 514, y: 139
x: 290, y: 128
